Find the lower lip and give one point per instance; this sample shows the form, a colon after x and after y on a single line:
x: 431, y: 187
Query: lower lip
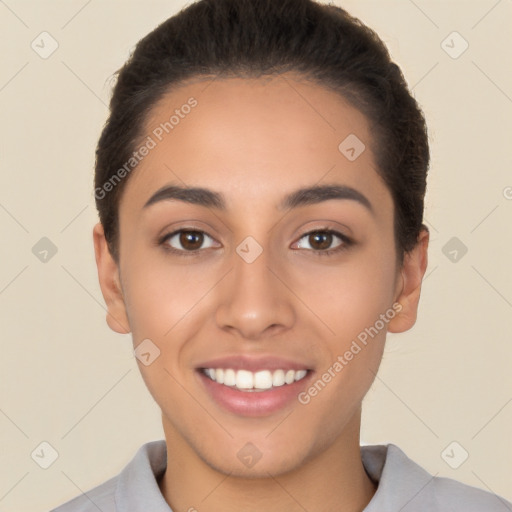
x: 254, y: 403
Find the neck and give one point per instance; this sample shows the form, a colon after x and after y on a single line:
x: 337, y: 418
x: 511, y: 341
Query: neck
x: 332, y: 480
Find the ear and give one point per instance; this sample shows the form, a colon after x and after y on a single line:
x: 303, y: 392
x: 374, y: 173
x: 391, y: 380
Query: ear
x: 108, y: 275
x: 412, y: 272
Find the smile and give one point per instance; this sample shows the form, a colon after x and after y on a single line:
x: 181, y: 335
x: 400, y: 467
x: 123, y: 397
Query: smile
x: 245, y: 380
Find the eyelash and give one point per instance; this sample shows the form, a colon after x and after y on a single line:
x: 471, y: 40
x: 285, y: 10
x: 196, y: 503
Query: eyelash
x: 346, y: 242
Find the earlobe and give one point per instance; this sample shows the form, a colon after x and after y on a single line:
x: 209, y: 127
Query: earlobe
x: 108, y: 275
x: 412, y: 272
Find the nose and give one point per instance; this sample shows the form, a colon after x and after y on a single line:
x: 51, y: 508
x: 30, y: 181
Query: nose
x: 254, y: 301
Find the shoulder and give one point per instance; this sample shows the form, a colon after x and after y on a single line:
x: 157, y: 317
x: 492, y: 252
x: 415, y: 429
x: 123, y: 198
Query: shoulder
x: 404, y: 485
x: 466, y: 498
x: 101, y: 498
x: 135, y: 488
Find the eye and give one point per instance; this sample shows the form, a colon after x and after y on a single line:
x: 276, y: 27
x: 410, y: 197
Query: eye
x: 323, y: 241
x: 187, y: 240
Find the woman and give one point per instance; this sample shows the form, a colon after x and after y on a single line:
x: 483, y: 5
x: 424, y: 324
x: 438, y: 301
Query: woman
x: 260, y: 185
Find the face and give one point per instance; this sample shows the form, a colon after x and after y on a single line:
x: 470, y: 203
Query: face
x: 258, y: 271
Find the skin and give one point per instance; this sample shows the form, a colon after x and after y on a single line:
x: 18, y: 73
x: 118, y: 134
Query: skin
x: 255, y: 141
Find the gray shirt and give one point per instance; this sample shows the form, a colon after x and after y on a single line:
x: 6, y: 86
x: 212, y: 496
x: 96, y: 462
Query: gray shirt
x: 403, y: 486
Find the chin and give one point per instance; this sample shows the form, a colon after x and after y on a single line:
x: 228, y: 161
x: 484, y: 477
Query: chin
x: 265, y: 467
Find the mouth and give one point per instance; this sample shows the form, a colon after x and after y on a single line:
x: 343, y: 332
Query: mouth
x: 254, y: 388
x: 248, y: 381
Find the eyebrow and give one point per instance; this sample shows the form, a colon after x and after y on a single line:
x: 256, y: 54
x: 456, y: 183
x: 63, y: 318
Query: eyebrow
x: 301, y: 197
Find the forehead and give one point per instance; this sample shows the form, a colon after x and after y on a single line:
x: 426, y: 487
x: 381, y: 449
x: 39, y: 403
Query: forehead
x: 255, y: 139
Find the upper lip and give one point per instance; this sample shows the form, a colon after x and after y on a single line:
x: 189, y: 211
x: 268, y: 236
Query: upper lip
x: 254, y: 363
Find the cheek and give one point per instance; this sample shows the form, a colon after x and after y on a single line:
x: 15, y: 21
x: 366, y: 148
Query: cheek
x: 161, y: 302
x: 360, y: 314
x: 357, y: 306
x: 350, y: 296
x: 158, y: 295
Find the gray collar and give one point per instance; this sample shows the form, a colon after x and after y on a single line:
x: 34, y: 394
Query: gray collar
x: 402, y: 484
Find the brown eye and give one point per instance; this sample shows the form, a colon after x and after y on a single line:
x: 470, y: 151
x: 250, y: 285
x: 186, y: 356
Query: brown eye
x: 320, y: 240
x: 323, y: 241
x: 191, y: 240
x: 188, y: 240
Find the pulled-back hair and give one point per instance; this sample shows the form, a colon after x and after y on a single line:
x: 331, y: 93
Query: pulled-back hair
x: 255, y: 38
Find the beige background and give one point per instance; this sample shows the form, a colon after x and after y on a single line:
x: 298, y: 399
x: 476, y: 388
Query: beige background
x: 69, y: 381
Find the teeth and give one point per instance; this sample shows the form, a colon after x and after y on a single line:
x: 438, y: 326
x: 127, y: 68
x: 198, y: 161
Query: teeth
x: 289, y: 377
x: 278, y: 378
x: 300, y: 374
x: 263, y: 380
x: 229, y: 377
x: 249, y: 381
x: 244, y: 379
